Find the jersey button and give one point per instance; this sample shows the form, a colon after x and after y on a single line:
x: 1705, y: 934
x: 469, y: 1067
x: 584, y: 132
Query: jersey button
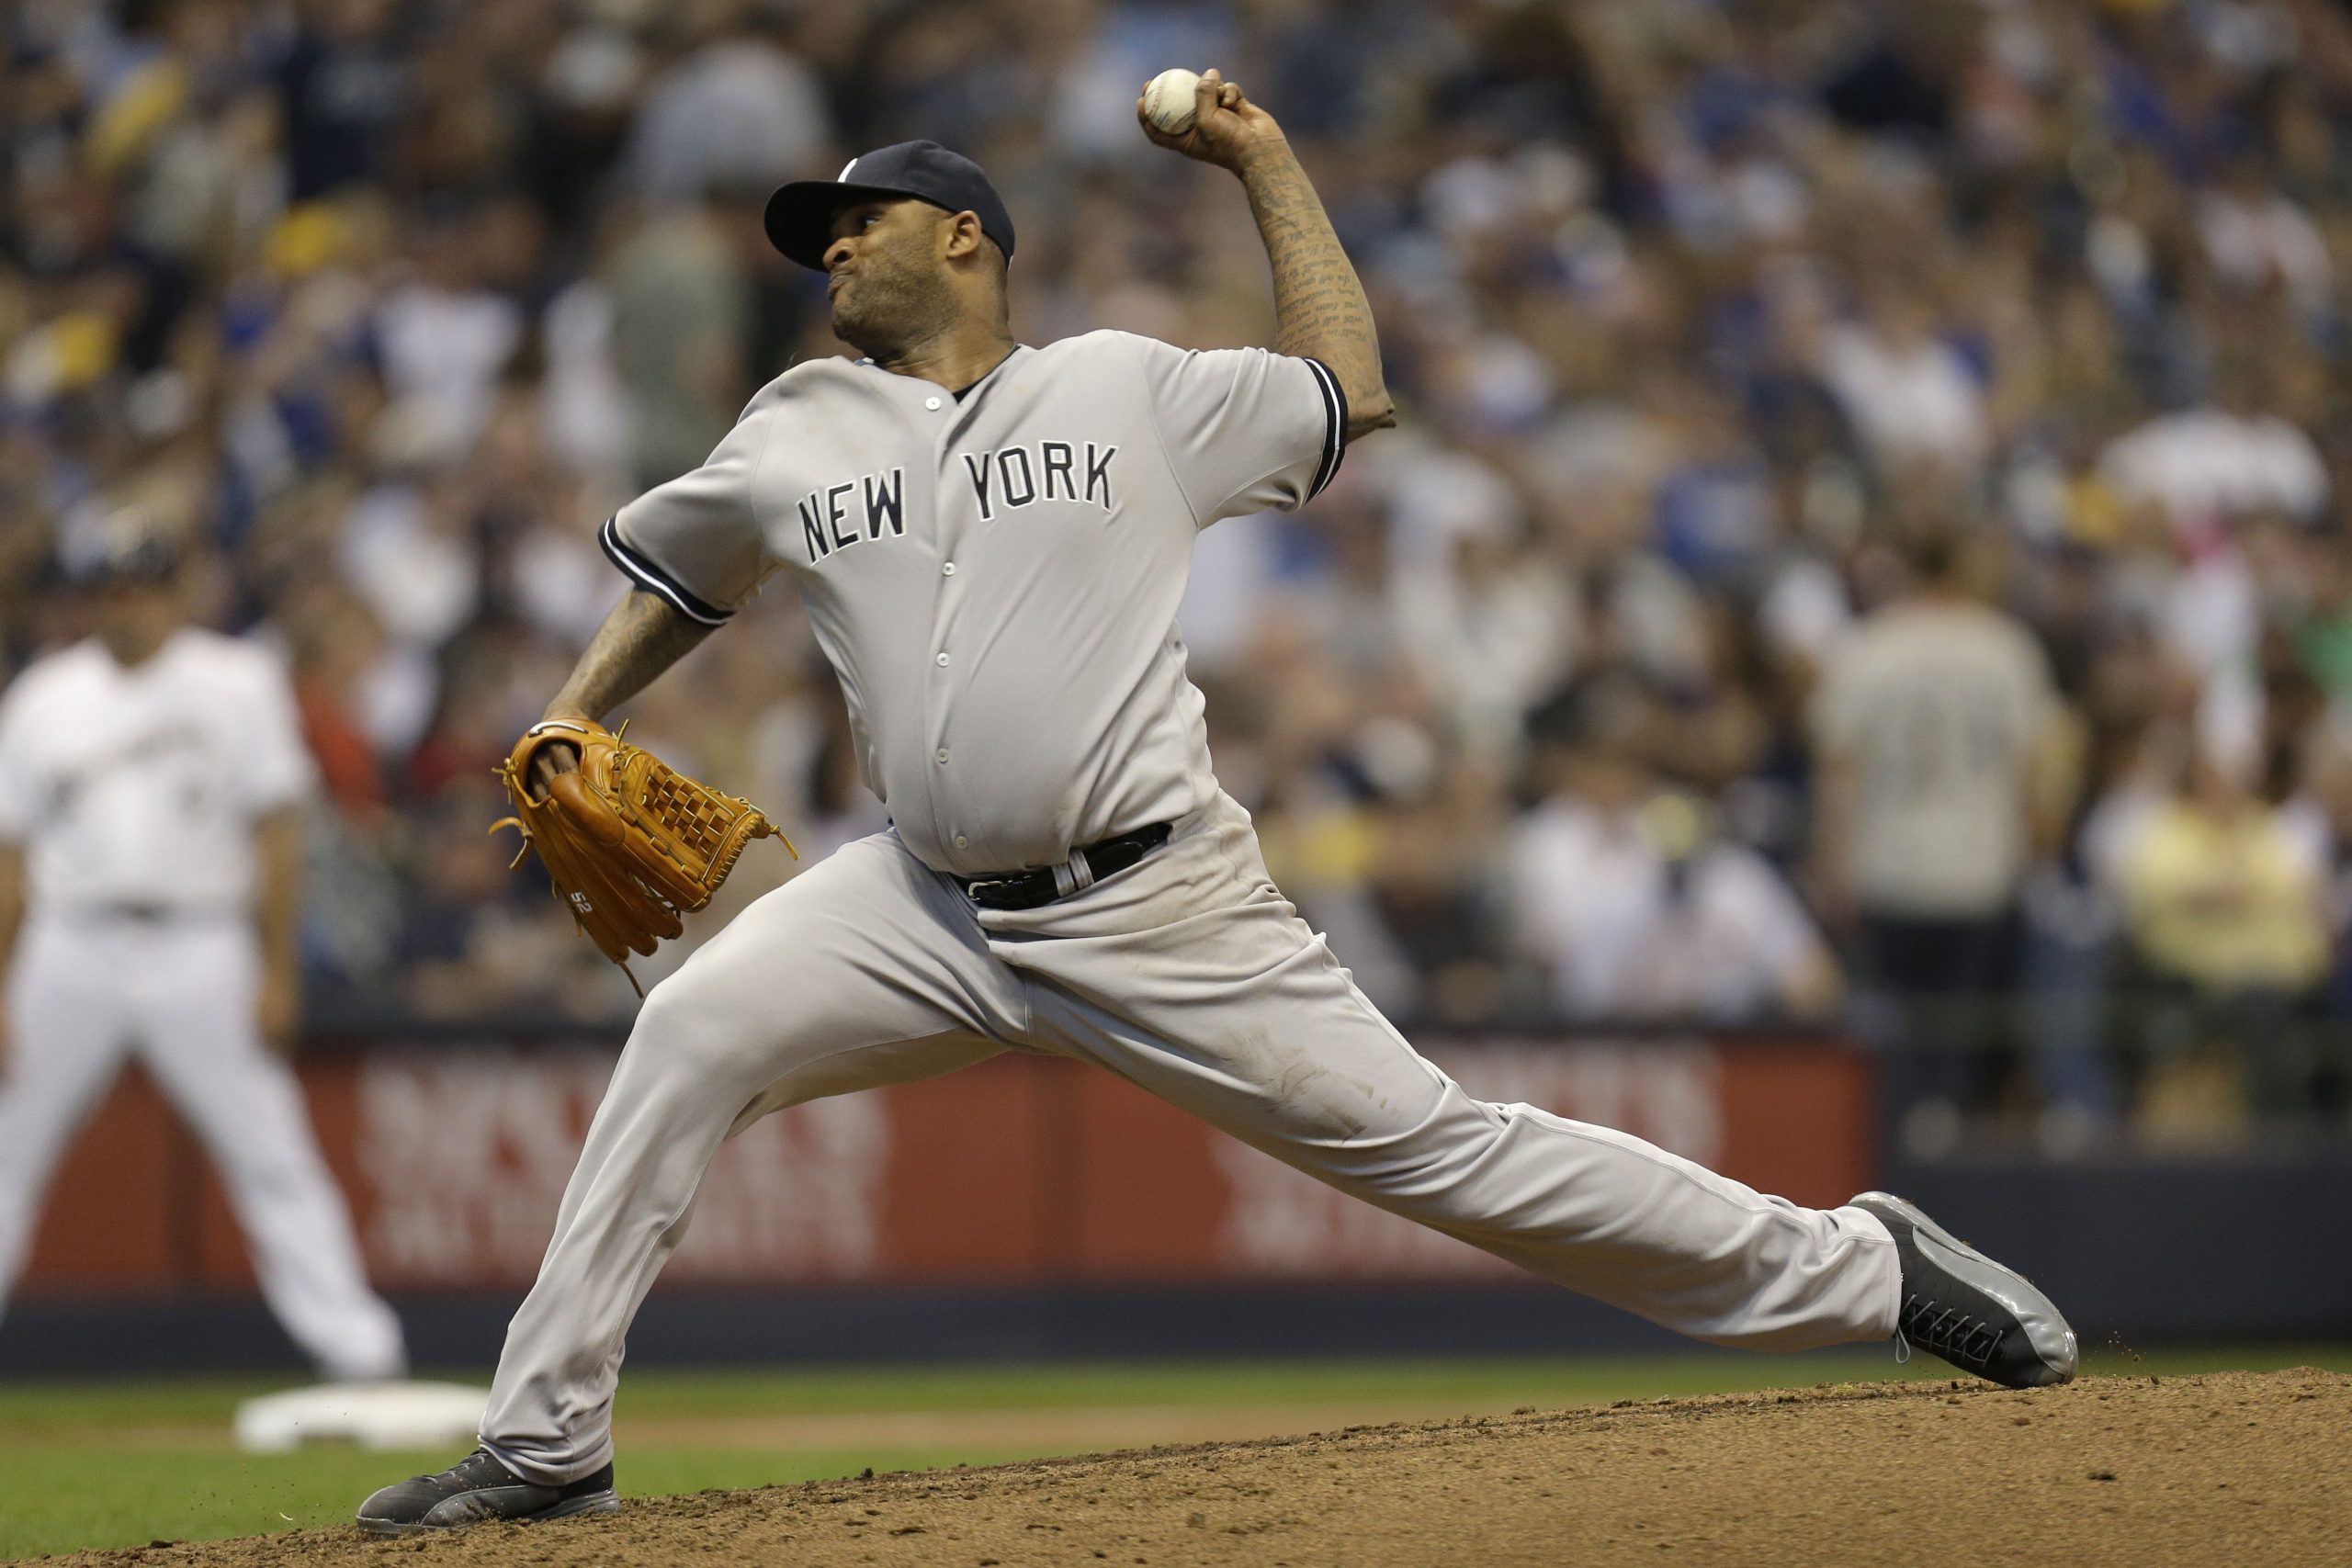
x: 942, y: 661
x: 931, y: 403
x: 940, y: 756
x: 962, y: 843
x: 947, y: 568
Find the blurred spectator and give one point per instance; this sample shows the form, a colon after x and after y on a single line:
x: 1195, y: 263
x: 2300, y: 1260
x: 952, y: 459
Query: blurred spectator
x: 680, y: 307
x: 2217, y: 459
x: 1699, y: 315
x: 346, y: 81
x: 1487, y: 635
x: 2225, y: 896
x: 1934, y: 723
x: 442, y: 337
x: 1637, y: 907
x: 1908, y: 392
x: 737, y: 108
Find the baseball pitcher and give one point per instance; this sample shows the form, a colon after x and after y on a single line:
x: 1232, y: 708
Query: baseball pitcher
x: 991, y: 540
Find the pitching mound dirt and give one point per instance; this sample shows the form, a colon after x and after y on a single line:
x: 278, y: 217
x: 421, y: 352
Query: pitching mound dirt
x: 2239, y: 1468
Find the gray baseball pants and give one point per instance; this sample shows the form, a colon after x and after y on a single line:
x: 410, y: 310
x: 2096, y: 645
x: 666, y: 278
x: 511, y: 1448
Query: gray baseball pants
x: 1192, y: 976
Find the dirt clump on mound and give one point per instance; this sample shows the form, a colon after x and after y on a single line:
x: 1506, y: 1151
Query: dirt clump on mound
x: 2233, y: 1468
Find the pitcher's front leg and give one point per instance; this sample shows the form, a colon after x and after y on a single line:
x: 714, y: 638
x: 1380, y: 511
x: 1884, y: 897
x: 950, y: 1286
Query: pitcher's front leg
x: 846, y: 977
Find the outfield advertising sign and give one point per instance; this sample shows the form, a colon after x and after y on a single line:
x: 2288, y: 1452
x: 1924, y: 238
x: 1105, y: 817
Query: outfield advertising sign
x: 1023, y: 1171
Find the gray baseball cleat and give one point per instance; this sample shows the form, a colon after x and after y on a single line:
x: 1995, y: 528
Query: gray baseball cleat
x: 1976, y: 1314
x: 478, y: 1487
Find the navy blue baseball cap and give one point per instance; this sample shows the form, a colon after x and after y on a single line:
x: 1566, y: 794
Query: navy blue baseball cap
x: 800, y: 215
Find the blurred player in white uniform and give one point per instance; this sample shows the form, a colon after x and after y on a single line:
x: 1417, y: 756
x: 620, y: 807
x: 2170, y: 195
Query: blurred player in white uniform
x: 150, y: 860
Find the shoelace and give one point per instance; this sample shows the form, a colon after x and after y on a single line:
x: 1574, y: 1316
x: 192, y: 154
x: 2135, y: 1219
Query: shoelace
x: 469, y: 1464
x: 1949, y: 1331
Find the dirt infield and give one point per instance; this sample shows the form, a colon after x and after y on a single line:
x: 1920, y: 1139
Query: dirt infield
x: 2233, y: 1468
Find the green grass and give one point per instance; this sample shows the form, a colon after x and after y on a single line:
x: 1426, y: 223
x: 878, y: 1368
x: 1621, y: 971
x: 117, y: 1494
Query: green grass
x: 63, y: 1499
x: 89, y: 1464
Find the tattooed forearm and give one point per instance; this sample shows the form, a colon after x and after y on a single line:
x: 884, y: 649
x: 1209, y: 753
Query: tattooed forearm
x: 1319, y: 308
x: 639, y: 640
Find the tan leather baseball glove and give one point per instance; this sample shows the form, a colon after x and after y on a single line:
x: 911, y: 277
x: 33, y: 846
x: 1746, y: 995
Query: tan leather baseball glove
x: 629, y: 841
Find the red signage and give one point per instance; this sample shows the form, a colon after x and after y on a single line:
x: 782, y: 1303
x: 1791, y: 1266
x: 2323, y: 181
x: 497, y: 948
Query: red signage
x: 1021, y: 1170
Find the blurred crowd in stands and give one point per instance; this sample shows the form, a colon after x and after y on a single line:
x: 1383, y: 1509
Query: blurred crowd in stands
x: 1870, y: 537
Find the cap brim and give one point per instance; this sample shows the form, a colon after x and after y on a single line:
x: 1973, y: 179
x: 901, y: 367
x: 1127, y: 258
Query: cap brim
x: 800, y: 215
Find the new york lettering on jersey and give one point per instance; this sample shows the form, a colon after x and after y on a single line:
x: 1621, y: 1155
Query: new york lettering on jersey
x: 1015, y: 477
x: 827, y: 523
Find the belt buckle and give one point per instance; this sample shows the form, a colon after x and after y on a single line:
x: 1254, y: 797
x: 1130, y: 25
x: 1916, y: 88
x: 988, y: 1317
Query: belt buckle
x: 972, y: 889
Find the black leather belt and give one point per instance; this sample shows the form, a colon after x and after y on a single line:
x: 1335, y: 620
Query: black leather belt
x: 1087, y: 865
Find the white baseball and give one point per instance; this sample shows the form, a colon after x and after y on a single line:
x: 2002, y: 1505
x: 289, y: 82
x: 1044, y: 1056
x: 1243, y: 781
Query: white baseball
x: 1168, y: 101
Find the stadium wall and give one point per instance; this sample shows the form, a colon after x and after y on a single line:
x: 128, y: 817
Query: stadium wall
x: 1024, y: 1171
x: 1035, y: 1207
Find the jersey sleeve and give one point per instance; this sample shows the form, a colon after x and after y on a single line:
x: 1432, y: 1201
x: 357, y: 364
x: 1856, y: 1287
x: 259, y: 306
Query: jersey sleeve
x: 1245, y: 429
x: 277, y: 768
x: 696, y: 540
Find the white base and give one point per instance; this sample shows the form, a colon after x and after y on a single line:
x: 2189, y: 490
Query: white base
x: 371, y: 1415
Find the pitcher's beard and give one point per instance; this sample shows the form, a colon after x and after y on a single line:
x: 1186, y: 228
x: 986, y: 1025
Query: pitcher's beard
x: 883, y: 318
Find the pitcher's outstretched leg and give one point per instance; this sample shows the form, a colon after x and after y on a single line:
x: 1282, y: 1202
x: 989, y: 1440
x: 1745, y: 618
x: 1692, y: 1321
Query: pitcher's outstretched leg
x: 1192, y: 976
x: 845, y: 978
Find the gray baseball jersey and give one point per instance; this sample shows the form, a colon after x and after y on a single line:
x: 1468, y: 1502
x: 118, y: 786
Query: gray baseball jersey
x: 1040, y: 526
